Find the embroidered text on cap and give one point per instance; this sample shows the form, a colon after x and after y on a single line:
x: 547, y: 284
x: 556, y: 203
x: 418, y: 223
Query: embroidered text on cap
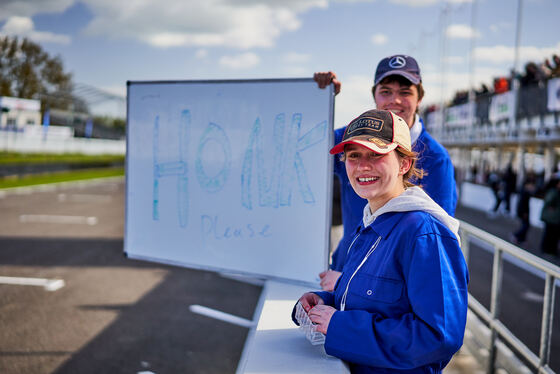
x: 369, y: 122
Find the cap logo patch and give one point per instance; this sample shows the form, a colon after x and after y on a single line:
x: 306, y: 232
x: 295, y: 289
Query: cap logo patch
x: 378, y: 142
x: 397, y: 62
x: 365, y: 122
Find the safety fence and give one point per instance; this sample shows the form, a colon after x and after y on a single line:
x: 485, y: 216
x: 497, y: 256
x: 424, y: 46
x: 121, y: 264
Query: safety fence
x: 498, y: 331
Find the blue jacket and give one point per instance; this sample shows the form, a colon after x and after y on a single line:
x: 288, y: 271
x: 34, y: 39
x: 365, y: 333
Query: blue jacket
x: 439, y: 184
x: 406, y: 307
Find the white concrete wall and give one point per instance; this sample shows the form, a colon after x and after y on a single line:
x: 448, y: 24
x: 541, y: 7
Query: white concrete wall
x: 58, y: 139
x: 481, y: 197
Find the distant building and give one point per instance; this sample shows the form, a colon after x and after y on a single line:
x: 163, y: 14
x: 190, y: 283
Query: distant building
x: 16, y: 113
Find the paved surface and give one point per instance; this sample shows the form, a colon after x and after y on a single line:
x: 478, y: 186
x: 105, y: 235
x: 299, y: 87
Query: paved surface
x: 114, y: 315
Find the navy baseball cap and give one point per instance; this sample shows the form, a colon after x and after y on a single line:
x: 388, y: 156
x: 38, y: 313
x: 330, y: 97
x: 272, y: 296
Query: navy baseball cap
x: 378, y: 130
x: 403, y: 65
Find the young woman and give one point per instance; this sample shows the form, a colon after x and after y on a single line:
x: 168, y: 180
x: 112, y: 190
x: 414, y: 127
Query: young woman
x: 400, y: 304
x: 398, y: 88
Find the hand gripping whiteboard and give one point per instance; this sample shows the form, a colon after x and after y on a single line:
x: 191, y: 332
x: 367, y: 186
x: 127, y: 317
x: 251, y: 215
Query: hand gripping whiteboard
x: 230, y: 175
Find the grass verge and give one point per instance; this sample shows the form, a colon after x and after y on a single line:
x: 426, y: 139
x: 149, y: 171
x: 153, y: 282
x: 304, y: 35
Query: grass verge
x: 66, y: 176
x: 14, y: 158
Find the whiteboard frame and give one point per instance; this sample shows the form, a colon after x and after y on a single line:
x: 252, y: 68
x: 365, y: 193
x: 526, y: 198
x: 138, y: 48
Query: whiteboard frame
x: 329, y: 181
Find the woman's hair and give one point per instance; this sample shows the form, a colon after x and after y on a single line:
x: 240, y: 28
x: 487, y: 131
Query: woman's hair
x: 413, y: 175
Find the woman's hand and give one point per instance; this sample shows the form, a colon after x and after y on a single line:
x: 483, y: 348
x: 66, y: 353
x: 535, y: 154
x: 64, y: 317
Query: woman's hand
x: 328, y: 279
x: 309, y: 300
x: 321, y: 316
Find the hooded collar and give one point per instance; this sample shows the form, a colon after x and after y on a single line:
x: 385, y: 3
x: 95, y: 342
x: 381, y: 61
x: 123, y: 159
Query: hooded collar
x: 413, y: 198
x: 416, y: 129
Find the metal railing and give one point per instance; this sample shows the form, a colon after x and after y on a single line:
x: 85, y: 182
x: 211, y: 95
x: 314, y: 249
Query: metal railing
x: 497, y: 329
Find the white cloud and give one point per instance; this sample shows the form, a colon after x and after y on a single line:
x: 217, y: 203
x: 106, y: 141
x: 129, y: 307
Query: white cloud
x: 296, y: 58
x: 10, y: 8
x: 379, y: 39
x: 24, y: 27
x: 501, y: 54
x: 241, y: 24
x: 459, y: 31
x: 294, y: 71
x: 501, y: 27
x: 201, y: 53
x: 422, y: 3
x: 354, y: 1
x: 454, y: 60
x: 354, y: 98
x: 240, y: 61
x: 415, y: 3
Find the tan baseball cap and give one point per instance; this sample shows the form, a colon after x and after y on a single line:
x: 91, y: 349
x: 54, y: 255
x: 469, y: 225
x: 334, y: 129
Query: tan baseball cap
x: 379, y: 130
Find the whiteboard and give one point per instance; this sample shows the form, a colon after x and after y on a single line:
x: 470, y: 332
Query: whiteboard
x: 230, y: 175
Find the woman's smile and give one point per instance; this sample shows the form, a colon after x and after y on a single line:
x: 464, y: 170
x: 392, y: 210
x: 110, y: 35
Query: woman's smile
x: 367, y: 180
x: 373, y: 176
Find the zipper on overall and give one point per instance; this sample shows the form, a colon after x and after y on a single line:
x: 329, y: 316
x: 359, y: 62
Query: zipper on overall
x: 345, y: 294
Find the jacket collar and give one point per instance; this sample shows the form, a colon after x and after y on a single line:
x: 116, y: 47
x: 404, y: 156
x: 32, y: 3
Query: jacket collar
x: 413, y: 198
x: 383, y: 225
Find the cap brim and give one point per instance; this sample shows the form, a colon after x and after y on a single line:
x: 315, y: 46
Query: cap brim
x: 339, y: 148
x: 412, y: 78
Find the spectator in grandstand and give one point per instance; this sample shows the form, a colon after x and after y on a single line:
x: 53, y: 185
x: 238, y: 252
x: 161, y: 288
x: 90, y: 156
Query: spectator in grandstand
x: 483, y: 90
x: 554, y: 68
x: 532, y: 93
x: 533, y: 75
x: 501, y: 85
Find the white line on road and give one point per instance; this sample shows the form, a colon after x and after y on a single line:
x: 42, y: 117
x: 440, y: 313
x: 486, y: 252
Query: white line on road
x: 48, y: 284
x: 212, y: 313
x: 48, y: 218
x: 84, y: 198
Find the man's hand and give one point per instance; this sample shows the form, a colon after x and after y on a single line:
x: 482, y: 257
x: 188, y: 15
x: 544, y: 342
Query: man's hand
x: 323, y: 79
x: 328, y: 279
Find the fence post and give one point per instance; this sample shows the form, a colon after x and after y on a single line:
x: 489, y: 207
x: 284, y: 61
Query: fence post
x: 494, y: 306
x: 465, y: 244
x: 546, y: 324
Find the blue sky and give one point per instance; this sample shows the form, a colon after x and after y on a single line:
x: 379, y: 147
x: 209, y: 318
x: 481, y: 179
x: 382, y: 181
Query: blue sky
x: 105, y: 43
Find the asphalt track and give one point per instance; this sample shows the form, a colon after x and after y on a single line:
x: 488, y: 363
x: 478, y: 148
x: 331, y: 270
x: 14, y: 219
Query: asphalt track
x: 113, y: 314
x: 118, y: 315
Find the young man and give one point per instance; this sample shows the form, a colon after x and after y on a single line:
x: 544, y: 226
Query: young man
x: 398, y: 88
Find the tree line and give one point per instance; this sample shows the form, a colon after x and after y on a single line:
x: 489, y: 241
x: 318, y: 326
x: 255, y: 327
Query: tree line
x: 29, y: 72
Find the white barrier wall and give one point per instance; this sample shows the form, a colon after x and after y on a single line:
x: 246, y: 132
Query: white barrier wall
x: 481, y: 197
x: 58, y: 139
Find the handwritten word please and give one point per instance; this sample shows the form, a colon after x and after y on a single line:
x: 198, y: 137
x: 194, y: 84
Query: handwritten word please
x: 213, y: 229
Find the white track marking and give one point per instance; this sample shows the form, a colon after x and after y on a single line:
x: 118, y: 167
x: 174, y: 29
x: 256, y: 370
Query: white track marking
x: 216, y: 314
x: 84, y: 198
x: 48, y: 218
x: 48, y: 284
